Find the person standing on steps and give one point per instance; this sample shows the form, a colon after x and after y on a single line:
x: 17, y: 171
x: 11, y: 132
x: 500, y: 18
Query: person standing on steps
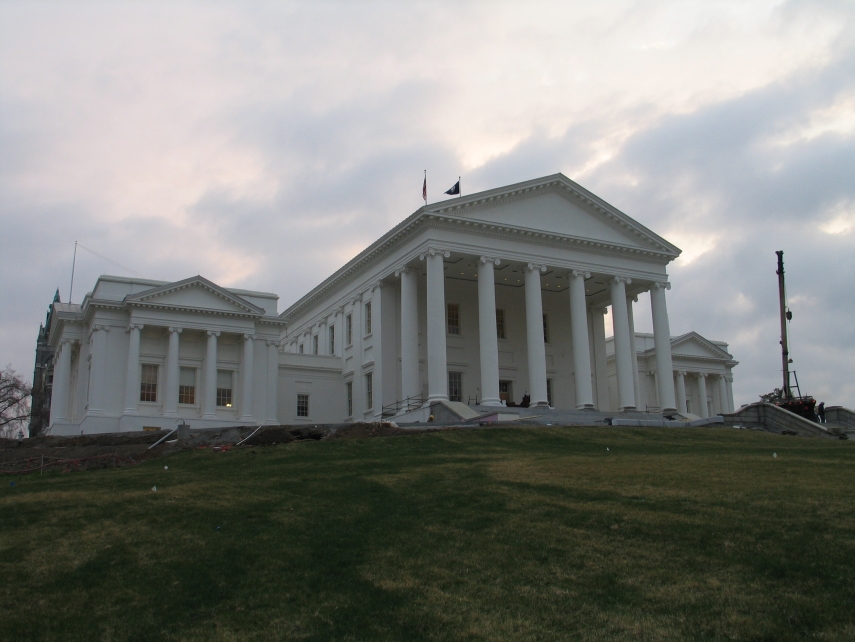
x: 820, y: 410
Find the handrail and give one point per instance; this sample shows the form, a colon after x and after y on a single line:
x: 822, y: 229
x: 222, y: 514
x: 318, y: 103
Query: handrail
x: 405, y: 405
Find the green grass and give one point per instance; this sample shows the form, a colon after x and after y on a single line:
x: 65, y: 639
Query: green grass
x: 511, y: 534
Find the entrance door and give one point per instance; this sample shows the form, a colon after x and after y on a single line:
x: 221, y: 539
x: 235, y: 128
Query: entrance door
x: 506, y: 391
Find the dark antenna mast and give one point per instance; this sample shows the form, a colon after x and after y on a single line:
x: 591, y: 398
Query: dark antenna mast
x: 786, y: 315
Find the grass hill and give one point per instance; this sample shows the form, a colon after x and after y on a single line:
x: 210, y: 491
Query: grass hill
x: 499, y: 534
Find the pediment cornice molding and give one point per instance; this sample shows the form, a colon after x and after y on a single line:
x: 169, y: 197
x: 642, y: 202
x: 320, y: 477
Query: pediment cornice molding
x: 148, y: 299
x: 575, y: 194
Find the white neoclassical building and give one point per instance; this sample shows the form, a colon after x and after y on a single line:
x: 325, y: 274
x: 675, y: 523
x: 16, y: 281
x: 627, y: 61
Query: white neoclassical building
x: 480, y: 300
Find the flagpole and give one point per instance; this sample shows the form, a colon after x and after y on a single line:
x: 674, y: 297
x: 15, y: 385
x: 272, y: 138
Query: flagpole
x: 73, y: 263
x: 459, y: 188
x: 425, y: 190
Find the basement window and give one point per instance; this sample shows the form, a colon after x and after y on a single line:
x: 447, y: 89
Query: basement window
x: 302, y: 405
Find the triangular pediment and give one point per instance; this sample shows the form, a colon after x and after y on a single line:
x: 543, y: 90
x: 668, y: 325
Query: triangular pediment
x: 195, y: 293
x: 694, y: 345
x: 558, y: 206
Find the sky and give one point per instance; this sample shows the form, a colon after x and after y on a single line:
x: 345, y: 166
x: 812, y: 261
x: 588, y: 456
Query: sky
x: 262, y: 145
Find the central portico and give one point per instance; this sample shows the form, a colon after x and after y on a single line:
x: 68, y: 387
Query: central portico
x: 492, y: 296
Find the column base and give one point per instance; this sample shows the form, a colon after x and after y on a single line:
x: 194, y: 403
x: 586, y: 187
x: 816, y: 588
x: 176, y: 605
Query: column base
x: 209, y: 416
x: 271, y: 422
x: 435, y: 398
x: 668, y: 410
x: 490, y: 402
x: 247, y: 420
x: 540, y: 404
x: 585, y: 406
x: 625, y: 408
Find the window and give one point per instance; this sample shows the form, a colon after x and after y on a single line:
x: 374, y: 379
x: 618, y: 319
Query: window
x: 300, y: 349
x: 302, y: 405
x: 348, y: 388
x: 315, y: 344
x: 368, y: 318
x: 369, y: 391
x: 224, y: 388
x: 455, y: 386
x: 453, y: 318
x: 348, y: 329
x: 545, y: 329
x: 549, y: 392
x: 187, y: 385
x: 500, y: 324
x: 332, y: 339
x: 148, y: 383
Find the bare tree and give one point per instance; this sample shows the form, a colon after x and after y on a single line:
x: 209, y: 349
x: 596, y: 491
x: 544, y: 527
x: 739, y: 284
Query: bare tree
x: 14, y: 403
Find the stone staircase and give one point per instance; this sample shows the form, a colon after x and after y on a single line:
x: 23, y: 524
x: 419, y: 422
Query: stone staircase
x: 772, y: 418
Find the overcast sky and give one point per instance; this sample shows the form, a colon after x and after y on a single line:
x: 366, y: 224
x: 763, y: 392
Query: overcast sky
x: 263, y: 145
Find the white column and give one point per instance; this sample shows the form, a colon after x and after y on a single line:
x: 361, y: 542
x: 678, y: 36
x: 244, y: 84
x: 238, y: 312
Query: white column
x: 598, y: 339
x: 323, y: 338
x: 681, y: 391
x: 633, y: 351
x: 662, y: 346
x: 337, y: 334
x: 488, y: 340
x: 437, y: 359
x: 132, y: 377
x: 722, y: 395
x: 209, y: 400
x: 98, y: 351
x: 272, y: 382
x: 377, y: 347
x: 170, y: 393
x: 534, y: 335
x: 623, y: 356
x: 61, y: 382
x: 729, y: 381
x: 579, y: 338
x: 702, y: 393
x: 247, y: 374
x: 410, y: 384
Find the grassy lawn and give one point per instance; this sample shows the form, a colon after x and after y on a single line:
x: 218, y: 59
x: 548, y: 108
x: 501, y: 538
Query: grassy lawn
x: 504, y: 534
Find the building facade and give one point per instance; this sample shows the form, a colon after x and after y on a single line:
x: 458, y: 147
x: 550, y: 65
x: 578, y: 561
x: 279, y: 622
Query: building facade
x: 483, y: 300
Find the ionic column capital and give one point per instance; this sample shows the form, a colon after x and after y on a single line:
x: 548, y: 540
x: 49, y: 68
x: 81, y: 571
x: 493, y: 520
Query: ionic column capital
x: 701, y: 374
x: 68, y: 341
x: 213, y: 333
x: 174, y: 329
x: 620, y: 279
x: 535, y: 267
x: 433, y: 251
x: 582, y: 273
x: 657, y: 285
x: 249, y: 337
x: 404, y: 270
x: 489, y: 259
x: 272, y: 342
x: 134, y: 326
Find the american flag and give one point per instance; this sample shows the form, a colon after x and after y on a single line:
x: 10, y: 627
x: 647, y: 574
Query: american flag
x: 424, y: 189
